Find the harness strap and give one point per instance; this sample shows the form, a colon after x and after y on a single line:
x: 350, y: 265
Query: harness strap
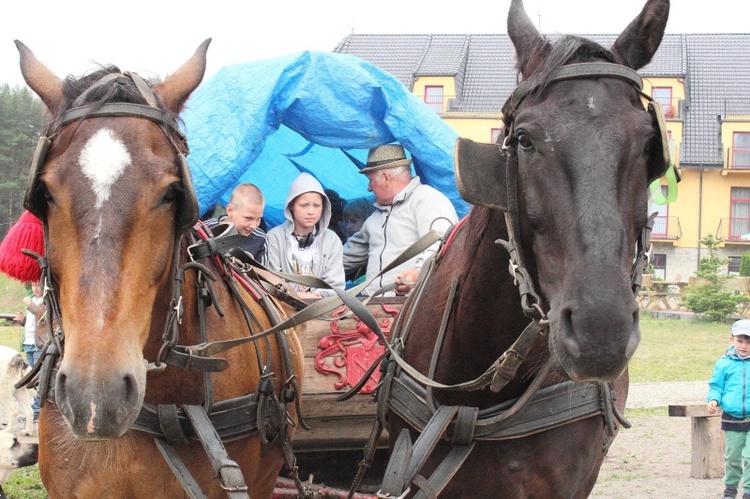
x: 233, y: 419
x: 228, y: 471
x: 180, y: 471
x: 548, y: 408
x: 169, y: 421
x: 463, y: 444
x: 408, y: 460
x: 570, y: 72
x: 394, y: 477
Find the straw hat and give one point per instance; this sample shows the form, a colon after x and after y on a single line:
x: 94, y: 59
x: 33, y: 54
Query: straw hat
x: 389, y: 156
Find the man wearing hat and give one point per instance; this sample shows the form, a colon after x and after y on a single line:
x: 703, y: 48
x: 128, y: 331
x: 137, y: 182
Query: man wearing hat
x: 405, y: 210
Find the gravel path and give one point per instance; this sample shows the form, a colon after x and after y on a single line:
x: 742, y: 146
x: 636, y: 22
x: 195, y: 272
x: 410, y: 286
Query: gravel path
x: 644, y: 395
x: 652, y: 459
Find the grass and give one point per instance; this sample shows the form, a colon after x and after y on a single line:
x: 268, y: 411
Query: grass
x: 678, y: 350
x: 25, y: 483
x: 11, y: 293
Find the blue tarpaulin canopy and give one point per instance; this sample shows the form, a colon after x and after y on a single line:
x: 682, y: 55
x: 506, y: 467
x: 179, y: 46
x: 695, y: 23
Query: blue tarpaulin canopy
x: 265, y: 121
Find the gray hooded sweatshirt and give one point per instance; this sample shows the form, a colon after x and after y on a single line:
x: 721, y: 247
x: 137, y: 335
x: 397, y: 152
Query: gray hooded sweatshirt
x: 327, y: 263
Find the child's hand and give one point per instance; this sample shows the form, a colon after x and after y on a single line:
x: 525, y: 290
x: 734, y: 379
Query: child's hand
x: 26, y: 300
x: 712, y: 407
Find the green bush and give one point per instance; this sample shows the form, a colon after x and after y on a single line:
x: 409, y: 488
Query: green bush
x: 711, y: 299
x: 745, y: 265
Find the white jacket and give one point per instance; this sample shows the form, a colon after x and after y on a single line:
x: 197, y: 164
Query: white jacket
x: 391, y: 229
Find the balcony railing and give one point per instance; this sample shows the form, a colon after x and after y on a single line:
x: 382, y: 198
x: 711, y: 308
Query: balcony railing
x: 666, y: 228
x: 738, y: 158
x: 448, y: 104
x: 673, y: 110
x: 734, y: 230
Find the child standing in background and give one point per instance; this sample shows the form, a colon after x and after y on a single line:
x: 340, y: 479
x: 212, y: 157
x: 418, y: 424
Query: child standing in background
x: 728, y: 388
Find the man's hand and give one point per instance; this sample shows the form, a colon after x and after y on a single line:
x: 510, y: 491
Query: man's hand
x: 405, y: 281
x: 712, y: 407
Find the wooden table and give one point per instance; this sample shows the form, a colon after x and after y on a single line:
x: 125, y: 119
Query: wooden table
x: 661, y: 295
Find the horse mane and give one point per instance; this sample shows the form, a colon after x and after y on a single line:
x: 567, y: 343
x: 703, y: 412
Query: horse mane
x: 566, y: 50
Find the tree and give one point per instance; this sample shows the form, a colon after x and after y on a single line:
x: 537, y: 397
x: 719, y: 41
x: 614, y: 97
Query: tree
x: 745, y: 265
x: 21, y: 120
x: 710, y: 298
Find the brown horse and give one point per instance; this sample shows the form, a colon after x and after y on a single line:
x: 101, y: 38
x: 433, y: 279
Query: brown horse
x: 566, y: 195
x: 111, y: 185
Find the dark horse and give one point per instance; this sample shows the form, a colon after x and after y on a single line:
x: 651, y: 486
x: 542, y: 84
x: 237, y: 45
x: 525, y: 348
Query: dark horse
x: 110, y: 182
x: 567, y: 195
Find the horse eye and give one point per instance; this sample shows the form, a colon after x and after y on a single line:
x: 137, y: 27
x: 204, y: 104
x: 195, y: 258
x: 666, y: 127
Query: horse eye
x: 171, y: 194
x: 524, y: 141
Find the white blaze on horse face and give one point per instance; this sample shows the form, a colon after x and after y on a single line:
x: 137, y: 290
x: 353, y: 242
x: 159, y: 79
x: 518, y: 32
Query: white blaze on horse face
x: 592, y: 103
x: 103, y: 160
x: 91, y: 426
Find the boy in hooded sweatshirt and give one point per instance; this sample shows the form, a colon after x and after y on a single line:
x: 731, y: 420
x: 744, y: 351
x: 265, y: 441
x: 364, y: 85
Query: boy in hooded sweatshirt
x: 304, y: 244
x: 728, y: 388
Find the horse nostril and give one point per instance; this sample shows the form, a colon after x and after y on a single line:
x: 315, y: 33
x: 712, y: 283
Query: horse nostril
x: 130, y: 387
x: 60, y: 384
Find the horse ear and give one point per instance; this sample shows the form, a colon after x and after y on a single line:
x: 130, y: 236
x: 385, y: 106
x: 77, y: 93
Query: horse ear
x: 41, y: 79
x: 638, y: 43
x: 175, y: 90
x: 527, y: 40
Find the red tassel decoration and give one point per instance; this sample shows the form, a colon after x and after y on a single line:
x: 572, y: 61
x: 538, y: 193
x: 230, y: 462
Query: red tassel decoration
x: 27, y: 233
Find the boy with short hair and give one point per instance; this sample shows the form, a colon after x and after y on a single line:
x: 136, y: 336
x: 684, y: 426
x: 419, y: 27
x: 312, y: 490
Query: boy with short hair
x: 728, y: 389
x: 245, y: 213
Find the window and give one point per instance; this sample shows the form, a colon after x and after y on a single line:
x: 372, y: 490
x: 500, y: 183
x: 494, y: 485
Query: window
x: 739, y: 214
x: 663, y: 95
x: 733, y: 268
x: 433, y: 97
x: 659, y: 263
x: 495, y: 135
x: 741, y: 150
x: 661, y: 222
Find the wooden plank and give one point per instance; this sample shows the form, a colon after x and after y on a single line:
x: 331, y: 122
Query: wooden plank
x: 692, y: 411
x: 707, y: 459
x: 336, y: 434
x: 326, y: 406
x: 707, y: 441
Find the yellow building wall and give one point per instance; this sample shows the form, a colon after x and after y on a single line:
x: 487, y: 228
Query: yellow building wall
x: 447, y: 82
x: 477, y: 129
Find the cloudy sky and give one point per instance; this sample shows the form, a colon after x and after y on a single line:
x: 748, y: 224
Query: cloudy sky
x: 156, y: 36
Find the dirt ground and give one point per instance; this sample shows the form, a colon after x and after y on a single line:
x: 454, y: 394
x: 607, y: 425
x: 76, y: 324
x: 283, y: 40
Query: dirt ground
x: 650, y: 460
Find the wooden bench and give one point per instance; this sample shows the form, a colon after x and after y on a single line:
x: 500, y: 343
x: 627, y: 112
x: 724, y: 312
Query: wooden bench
x: 707, y: 442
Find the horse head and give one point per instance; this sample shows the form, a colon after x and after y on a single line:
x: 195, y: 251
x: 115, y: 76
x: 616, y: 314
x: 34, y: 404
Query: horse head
x: 581, y: 147
x: 585, y: 149
x: 115, y: 196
